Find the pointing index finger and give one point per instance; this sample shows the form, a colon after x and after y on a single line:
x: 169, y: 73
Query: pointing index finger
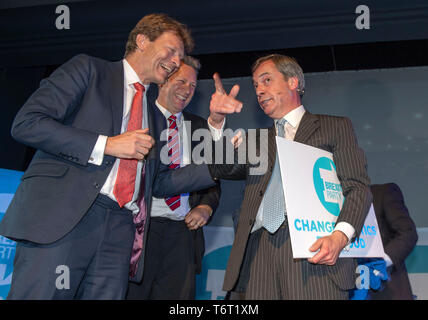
x: 218, y: 85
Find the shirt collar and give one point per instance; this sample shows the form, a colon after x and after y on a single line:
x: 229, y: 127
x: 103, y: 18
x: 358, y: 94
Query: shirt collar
x: 131, y: 76
x: 167, y: 114
x: 294, y: 117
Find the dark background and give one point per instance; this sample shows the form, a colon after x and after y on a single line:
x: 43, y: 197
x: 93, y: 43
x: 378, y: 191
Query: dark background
x: 229, y: 36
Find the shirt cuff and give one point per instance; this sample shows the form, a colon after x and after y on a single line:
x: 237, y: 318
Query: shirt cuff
x: 347, y: 229
x: 388, y: 260
x: 97, y: 155
x: 216, y: 133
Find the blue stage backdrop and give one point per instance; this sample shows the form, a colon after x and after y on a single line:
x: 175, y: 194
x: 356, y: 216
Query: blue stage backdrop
x: 218, y: 242
x: 9, y: 181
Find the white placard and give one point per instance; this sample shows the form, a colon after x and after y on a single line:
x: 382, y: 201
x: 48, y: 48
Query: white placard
x: 313, y: 197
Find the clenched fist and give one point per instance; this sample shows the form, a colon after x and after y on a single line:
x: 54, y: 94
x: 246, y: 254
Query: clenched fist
x: 130, y: 144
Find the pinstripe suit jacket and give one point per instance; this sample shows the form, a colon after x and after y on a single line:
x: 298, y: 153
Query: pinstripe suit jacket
x: 330, y: 133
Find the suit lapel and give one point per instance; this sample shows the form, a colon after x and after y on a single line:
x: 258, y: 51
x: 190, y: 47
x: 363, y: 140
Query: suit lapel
x: 157, y: 124
x: 271, y: 149
x: 115, y: 90
x: 308, y: 125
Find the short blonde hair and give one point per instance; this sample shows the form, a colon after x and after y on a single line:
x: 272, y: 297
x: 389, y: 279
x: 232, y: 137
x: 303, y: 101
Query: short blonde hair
x: 153, y: 26
x: 192, y: 62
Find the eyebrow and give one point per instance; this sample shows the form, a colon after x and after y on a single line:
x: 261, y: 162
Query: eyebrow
x: 185, y: 80
x: 263, y: 74
x: 260, y: 76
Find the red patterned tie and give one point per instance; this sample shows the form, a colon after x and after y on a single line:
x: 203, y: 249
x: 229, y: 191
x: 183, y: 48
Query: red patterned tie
x: 174, y: 157
x: 125, y: 180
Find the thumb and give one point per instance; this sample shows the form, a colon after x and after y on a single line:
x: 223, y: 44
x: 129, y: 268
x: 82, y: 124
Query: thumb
x: 234, y: 91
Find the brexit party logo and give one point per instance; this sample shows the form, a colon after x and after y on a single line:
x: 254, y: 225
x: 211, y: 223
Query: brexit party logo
x: 7, y: 254
x: 327, y: 185
x: 218, y: 243
x: 209, y: 282
x: 9, y: 181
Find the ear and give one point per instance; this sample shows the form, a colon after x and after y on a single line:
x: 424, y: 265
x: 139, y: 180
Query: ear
x: 141, y: 41
x: 293, y: 83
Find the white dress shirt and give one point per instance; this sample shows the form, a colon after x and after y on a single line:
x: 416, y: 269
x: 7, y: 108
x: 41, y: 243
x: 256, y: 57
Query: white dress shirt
x: 159, y: 207
x: 130, y: 77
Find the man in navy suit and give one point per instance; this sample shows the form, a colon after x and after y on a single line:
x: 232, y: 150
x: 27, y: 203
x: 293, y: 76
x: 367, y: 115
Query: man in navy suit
x: 174, y: 242
x: 399, y: 237
x: 73, y: 214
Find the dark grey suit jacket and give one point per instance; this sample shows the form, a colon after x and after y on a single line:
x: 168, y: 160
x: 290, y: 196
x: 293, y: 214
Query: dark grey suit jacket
x: 333, y: 134
x: 399, y: 237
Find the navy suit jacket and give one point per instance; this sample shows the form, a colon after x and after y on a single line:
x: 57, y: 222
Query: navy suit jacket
x: 62, y: 120
x: 399, y: 237
x: 199, y: 183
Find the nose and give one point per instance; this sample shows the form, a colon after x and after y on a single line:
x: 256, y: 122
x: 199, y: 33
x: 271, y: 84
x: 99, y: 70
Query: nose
x: 260, y: 91
x: 176, y: 60
x: 187, y: 87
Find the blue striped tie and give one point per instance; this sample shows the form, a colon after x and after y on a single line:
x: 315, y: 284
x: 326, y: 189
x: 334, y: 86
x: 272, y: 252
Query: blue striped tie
x: 274, y: 204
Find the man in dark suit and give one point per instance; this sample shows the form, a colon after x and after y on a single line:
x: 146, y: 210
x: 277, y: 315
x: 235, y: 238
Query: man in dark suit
x: 73, y: 214
x: 399, y: 237
x: 268, y: 270
x: 174, y: 245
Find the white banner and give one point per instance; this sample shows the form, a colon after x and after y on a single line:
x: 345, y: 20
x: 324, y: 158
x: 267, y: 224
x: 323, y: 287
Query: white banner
x: 313, y: 197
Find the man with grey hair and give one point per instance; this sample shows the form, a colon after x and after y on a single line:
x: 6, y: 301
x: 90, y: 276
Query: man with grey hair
x: 174, y: 245
x: 261, y: 264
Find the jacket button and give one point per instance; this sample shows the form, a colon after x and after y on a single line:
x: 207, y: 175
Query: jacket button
x: 96, y: 185
x: 260, y: 193
x: 251, y: 222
